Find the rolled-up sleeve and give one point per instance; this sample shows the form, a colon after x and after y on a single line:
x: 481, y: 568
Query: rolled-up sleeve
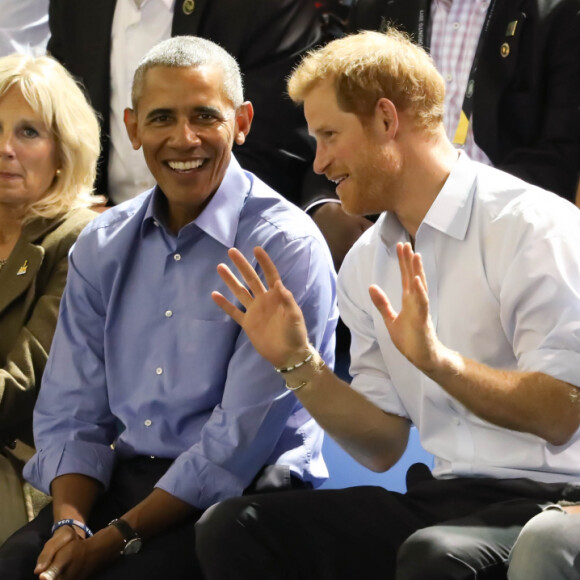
x: 73, y: 425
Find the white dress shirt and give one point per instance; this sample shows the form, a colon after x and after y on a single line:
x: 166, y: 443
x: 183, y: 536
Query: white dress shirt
x: 138, y: 25
x: 455, y: 30
x: 503, y: 273
x: 23, y: 26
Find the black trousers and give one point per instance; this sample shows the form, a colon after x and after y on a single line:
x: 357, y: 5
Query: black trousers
x: 168, y: 555
x: 440, y: 529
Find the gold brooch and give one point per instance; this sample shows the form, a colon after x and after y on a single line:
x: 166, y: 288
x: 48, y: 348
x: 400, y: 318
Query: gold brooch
x: 23, y: 269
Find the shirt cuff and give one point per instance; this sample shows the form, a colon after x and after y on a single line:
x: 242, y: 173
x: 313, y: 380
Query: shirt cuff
x: 199, y: 483
x: 90, y: 459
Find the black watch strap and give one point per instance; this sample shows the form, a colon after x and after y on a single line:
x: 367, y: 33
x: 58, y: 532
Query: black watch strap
x: 130, y: 537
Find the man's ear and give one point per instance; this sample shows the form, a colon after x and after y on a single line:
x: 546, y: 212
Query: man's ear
x: 387, y: 118
x: 130, y: 118
x: 244, y: 116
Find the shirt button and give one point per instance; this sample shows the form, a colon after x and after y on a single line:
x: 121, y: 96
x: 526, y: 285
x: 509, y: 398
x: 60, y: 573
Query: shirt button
x: 457, y: 421
x: 147, y: 422
x: 168, y: 313
x: 177, y: 257
x: 456, y: 25
x: 159, y: 370
x: 449, y: 78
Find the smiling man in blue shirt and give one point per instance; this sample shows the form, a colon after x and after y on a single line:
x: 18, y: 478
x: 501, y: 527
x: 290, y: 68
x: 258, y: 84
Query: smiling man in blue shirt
x: 155, y: 405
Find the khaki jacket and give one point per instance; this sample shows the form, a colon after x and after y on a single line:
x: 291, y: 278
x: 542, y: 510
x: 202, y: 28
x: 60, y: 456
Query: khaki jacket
x: 31, y: 286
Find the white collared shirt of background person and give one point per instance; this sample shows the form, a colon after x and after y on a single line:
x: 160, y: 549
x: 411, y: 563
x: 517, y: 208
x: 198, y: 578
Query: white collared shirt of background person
x: 138, y: 25
x: 24, y: 27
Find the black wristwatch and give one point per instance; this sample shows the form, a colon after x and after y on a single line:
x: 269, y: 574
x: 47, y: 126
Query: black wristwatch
x: 133, y: 541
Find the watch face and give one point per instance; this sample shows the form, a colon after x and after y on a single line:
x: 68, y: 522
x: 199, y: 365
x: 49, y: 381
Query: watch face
x: 132, y: 546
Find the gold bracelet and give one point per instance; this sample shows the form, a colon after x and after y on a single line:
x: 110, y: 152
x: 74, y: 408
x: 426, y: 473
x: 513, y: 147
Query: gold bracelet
x: 299, y: 364
x: 302, y: 384
x: 321, y: 365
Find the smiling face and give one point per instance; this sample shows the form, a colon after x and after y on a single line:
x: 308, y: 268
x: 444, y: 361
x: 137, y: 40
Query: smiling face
x: 28, y: 152
x: 359, y: 157
x: 186, y: 127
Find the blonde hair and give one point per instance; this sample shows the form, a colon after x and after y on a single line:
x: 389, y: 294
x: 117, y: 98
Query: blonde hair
x: 370, y: 65
x: 53, y: 93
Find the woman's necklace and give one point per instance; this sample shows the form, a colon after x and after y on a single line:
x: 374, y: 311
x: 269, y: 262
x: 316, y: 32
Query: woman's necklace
x: 2, y: 263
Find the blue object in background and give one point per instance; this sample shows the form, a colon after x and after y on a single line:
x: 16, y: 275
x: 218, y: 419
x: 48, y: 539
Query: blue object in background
x: 346, y: 472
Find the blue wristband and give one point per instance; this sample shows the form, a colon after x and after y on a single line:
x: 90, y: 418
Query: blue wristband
x: 70, y: 522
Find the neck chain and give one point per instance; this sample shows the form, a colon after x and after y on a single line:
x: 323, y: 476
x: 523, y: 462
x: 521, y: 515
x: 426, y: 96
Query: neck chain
x: 2, y: 263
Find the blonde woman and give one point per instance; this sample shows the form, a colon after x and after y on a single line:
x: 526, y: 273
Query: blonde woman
x: 49, y: 145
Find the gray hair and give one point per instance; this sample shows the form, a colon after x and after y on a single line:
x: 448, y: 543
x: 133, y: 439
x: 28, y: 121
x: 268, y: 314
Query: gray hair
x: 191, y: 51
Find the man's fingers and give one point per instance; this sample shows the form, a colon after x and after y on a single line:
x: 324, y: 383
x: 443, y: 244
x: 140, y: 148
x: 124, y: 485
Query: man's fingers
x: 247, y: 271
x: 419, y: 270
x: 228, y: 307
x: 382, y: 303
x: 50, y: 574
x: 61, y: 537
x: 405, y: 255
x: 232, y: 282
x: 270, y: 271
x: 422, y: 297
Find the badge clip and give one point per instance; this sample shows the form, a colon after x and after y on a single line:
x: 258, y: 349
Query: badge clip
x: 511, y: 28
x: 23, y: 269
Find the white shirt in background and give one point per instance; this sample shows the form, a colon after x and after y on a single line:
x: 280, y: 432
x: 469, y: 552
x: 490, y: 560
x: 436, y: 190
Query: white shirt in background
x: 23, y: 26
x: 138, y: 25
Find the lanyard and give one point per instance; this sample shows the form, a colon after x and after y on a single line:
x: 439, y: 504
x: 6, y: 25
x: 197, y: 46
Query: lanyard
x: 467, y: 106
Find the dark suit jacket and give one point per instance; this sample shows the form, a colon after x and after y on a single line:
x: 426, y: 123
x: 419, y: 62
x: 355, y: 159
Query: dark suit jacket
x: 31, y: 285
x: 526, y: 110
x: 266, y: 37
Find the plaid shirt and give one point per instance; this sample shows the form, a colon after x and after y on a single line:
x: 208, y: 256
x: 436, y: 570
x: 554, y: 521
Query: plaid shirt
x: 455, y: 29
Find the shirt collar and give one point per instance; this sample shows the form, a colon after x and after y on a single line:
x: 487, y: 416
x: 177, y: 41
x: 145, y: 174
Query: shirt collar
x: 221, y: 216
x: 168, y: 4
x: 450, y: 212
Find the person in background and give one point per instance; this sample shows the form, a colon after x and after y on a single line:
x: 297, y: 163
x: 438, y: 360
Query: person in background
x: 154, y: 404
x: 548, y: 546
x: 512, y: 78
x: 102, y: 42
x: 49, y: 145
x: 463, y: 302
x: 513, y: 68
x: 24, y: 27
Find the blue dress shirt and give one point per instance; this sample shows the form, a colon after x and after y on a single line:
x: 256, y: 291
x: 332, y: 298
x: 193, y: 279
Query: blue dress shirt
x: 144, y: 363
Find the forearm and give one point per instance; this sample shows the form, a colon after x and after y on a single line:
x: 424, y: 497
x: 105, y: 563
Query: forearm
x: 157, y: 512
x: 153, y: 515
x: 374, y: 438
x: 531, y: 402
x: 73, y: 496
